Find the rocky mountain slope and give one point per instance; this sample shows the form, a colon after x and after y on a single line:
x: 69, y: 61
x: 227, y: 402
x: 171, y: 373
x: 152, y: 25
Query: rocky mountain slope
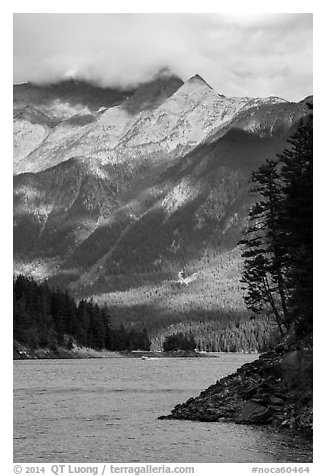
x: 110, y: 183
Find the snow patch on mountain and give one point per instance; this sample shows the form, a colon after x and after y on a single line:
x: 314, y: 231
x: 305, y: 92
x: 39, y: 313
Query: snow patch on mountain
x: 27, y: 137
x: 179, y: 196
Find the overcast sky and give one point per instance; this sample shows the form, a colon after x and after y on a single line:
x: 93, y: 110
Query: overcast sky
x: 238, y: 55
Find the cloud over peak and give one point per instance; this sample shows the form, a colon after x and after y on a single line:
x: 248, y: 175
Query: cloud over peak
x: 239, y: 55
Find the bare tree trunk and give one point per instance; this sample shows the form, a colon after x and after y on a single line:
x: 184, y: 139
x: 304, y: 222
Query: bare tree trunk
x: 272, y: 303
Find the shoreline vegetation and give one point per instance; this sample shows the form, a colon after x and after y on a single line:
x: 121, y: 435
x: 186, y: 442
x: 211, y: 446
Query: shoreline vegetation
x: 53, y: 320
x: 22, y: 352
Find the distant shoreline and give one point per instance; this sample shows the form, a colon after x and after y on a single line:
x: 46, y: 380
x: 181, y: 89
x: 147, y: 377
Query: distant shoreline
x: 25, y: 353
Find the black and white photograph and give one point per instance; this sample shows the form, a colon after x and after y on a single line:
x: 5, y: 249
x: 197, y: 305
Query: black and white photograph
x: 162, y: 240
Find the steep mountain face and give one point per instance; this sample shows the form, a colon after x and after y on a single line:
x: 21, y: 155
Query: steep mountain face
x: 109, y: 183
x: 39, y: 109
x: 62, y: 100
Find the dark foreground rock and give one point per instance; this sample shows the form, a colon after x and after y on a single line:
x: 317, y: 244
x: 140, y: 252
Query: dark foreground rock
x: 274, y: 389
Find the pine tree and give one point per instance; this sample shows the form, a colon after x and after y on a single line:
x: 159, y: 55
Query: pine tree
x: 97, y: 328
x: 263, y: 249
x: 82, y: 323
x: 105, y: 316
x: 297, y: 224
x: 278, y: 246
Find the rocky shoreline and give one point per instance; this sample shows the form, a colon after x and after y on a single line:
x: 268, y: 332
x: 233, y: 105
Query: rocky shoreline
x: 275, y: 389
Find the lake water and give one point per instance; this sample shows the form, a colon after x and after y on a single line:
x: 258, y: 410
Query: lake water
x: 105, y: 410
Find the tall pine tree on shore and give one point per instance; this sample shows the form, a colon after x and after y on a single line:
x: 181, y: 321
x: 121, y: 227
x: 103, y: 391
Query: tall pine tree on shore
x: 263, y: 272
x: 277, y: 246
x: 296, y: 224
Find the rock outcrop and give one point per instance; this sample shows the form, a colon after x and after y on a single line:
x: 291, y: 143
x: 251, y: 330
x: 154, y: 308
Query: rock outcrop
x: 274, y: 389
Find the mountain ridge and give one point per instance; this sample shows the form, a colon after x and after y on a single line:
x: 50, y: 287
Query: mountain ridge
x: 149, y: 185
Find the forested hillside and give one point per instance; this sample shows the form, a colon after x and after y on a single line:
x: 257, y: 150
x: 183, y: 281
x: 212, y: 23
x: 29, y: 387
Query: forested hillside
x: 135, y: 182
x: 44, y: 318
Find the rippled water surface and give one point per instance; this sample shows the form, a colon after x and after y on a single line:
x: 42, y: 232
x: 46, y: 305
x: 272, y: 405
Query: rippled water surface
x: 105, y: 410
